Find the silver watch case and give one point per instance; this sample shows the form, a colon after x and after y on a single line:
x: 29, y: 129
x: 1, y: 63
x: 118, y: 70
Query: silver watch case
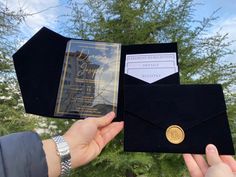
x: 63, y: 151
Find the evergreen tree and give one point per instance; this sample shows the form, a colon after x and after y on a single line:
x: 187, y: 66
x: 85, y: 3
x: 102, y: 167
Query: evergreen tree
x: 128, y: 22
x: 12, y: 114
x: 12, y: 117
x: 155, y: 21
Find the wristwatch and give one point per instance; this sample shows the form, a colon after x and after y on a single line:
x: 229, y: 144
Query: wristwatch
x: 64, y: 153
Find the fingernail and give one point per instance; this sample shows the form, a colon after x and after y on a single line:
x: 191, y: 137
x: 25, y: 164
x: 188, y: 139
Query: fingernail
x: 110, y: 114
x: 211, y: 148
x: 122, y: 122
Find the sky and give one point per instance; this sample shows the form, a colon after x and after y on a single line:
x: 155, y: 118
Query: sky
x: 51, y: 10
x: 226, y: 22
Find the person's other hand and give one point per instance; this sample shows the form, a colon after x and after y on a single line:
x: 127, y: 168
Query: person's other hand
x: 215, y: 166
x: 86, y: 139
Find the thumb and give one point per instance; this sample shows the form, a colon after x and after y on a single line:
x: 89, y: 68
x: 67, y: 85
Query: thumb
x: 212, y: 155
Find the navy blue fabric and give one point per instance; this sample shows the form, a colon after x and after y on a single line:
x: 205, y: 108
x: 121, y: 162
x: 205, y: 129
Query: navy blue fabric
x: 199, y: 109
x: 38, y: 64
x: 125, y: 79
x: 22, y: 155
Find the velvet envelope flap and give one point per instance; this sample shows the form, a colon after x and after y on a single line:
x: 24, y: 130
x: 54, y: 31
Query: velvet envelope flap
x: 38, y: 64
x: 197, y: 112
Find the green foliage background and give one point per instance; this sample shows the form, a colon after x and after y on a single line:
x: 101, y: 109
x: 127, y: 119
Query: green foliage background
x: 128, y: 22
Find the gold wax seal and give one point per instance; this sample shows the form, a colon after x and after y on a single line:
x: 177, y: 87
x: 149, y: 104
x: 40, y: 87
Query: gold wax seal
x: 175, y: 134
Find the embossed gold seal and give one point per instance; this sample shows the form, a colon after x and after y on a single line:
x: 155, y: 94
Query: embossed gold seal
x: 175, y: 134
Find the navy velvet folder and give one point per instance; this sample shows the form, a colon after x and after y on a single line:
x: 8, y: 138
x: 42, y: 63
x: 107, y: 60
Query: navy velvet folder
x: 39, y: 62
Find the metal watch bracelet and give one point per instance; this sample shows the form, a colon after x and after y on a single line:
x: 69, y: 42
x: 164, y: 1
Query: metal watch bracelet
x: 64, y: 153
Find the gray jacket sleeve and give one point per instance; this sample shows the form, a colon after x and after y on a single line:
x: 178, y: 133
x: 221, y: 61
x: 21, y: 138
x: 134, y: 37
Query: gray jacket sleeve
x: 22, y: 155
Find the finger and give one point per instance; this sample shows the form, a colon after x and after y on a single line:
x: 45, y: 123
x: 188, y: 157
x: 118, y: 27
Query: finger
x: 212, y: 155
x: 192, y: 166
x: 229, y: 160
x: 101, y: 136
x: 106, y: 129
x: 103, y: 121
x: 219, y: 170
x: 109, y: 135
x: 201, y: 163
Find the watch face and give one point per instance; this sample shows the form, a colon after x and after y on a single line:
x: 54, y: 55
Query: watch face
x: 63, y: 149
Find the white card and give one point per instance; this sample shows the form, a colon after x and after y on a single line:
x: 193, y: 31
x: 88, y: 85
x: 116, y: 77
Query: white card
x: 151, y: 67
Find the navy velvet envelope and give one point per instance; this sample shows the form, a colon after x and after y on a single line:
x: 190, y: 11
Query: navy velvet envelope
x: 199, y: 111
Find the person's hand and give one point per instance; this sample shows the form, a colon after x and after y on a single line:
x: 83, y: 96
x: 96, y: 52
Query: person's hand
x: 216, y: 166
x: 86, y: 139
